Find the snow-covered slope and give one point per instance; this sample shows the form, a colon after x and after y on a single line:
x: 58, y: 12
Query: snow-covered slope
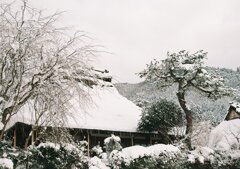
x: 109, y: 111
x: 226, y: 135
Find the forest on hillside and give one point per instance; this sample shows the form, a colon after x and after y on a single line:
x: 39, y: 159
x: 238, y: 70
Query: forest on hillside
x: 204, y: 109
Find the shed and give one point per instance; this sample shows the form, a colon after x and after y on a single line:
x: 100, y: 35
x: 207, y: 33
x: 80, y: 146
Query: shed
x: 233, y: 111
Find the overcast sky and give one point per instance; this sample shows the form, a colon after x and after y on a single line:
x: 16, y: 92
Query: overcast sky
x: 137, y: 31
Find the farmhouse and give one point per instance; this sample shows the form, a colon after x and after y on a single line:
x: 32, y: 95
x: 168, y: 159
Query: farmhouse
x: 109, y: 113
x: 233, y: 111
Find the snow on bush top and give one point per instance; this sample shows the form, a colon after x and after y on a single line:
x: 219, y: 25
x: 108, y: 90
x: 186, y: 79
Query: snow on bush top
x: 154, y: 150
x: 226, y: 135
x: 113, y: 138
x: 6, y: 163
x: 49, y: 145
x: 96, y: 163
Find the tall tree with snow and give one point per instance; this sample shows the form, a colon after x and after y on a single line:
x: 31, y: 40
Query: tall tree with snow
x: 187, y: 71
x: 39, y: 62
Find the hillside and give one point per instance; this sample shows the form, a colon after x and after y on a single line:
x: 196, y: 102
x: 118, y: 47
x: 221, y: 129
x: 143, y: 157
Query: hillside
x: 203, y: 108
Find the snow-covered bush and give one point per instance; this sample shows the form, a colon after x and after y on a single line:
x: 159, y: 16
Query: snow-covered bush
x: 112, y: 148
x: 140, y: 163
x: 5, y: 148
x: 97, y: 150
x: 204, y: 157
x: 226, y: 159
x: 201, y: 155
x: 162, y: 161
x: 97, y: 163
x: 154, y: 157
x: 54, y: 156
x: 170, y: 157
x: 112, y: 143
x: 116, y: 159
x: 8, y: 155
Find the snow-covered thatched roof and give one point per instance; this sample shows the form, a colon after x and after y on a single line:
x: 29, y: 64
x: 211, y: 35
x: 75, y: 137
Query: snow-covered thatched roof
x: 226, y: 135
x: 108, y: 111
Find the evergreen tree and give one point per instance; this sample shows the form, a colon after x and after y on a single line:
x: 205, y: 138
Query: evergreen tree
x: 161, y: 117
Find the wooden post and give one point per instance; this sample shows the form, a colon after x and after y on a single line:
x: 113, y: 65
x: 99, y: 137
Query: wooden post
x: 14, y: 138
x: 88, y: 147
x: 36, y: 134
x: 132, y: 141
x: 32, y: 137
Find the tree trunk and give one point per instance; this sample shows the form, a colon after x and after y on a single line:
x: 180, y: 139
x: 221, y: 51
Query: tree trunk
x: 27, y: 142
x: 165, y: 139
x: 2, y: 132
x: 188, y: 113
x: 4, y: 122
x: 6, y: 115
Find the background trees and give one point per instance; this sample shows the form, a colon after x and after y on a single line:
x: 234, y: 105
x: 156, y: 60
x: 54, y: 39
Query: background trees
x: 161, y: 117
x: 187, y: 71
x: 39, y: 63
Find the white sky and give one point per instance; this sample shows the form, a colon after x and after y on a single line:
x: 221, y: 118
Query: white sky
x: 137, y: 31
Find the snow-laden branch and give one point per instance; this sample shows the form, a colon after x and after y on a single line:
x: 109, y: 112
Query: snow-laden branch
x: 36, y: 57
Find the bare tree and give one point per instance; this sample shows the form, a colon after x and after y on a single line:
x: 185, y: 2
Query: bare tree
x: 39, y: 61
x: 187, y: 71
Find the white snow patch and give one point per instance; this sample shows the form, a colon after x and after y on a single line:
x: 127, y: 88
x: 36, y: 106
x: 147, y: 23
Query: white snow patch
x: 96, y: 163
x: 70, y: 147
x: 157, y: 149
x: 7, y: 163
x: 50, y: 145
x: 134, y: 152
x: 200, y: 154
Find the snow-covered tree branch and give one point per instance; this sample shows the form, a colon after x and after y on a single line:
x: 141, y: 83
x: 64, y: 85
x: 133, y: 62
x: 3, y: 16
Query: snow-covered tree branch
x: 39, y: 60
